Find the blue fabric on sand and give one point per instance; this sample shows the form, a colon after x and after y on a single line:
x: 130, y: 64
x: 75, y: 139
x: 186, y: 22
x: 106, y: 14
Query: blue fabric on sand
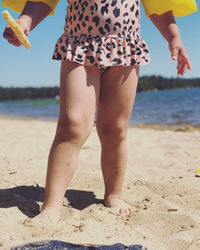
x: 58, y: 245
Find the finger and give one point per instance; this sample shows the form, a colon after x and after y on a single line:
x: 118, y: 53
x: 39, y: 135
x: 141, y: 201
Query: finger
x: 178, y: 66
x: 180, y: 62
x: 12, y: 39
x: 187, y: 62
x: 26, y: 32
x: 9, y: 34
x: 189, y: 65
x: 15, y: 43
x: 183, y: 69
x: 180, y: 69
x: 186, y: 59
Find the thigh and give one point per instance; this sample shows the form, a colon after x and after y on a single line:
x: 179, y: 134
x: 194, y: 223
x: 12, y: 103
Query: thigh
x: 117, y: 94
x: 79, y: 91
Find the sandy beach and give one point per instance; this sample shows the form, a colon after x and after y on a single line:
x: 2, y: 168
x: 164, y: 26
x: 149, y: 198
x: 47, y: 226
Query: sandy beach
x: 161, y: 183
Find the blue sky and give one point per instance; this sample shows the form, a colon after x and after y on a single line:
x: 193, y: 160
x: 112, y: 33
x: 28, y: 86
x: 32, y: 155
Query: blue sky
x: 34, y: 67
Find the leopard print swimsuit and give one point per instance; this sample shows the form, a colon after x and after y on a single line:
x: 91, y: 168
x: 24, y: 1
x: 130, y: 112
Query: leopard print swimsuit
x: 104, y: 33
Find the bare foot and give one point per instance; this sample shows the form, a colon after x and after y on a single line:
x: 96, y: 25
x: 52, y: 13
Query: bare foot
x: 47, y: 217
x: 120, y: 206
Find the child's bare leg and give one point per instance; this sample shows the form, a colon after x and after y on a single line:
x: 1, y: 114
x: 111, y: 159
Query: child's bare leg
x: 79, y: 92
x: 117, y: 94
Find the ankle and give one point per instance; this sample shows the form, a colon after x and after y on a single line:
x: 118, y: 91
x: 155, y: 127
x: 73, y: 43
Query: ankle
x: 108, y: 197
x: 47, y: 208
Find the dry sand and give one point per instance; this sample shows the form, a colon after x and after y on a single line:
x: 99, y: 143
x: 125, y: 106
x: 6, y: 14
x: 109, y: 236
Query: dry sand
x: 160, y: 183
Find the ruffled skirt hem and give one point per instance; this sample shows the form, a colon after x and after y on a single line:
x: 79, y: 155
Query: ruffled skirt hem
x: 102, y: 51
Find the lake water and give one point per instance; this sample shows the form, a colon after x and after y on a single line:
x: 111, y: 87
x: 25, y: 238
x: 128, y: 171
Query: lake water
x: 174, y: 108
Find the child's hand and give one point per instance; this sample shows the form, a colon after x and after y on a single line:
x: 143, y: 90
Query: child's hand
x: 179, y: 53
x: 25, y: 23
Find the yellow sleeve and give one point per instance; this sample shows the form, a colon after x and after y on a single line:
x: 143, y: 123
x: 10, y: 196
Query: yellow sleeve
x: 179, y: 7
x: 18, y: 5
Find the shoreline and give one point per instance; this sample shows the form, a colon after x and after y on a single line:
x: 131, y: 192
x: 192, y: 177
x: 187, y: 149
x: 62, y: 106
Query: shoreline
x: 154, y: 126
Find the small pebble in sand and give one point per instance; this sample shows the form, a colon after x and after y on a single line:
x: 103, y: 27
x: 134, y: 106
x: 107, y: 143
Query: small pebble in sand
x: 172, y: 209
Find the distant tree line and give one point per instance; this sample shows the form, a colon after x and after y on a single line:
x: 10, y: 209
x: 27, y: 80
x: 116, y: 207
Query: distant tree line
x: 28, y: 93
x: 146, y: 83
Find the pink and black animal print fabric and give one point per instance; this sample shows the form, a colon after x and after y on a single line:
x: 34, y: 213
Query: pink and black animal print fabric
x: 103, y: 33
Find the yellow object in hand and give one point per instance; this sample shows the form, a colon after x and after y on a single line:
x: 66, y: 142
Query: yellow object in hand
x: 16, y: 29
x: 198, y: 170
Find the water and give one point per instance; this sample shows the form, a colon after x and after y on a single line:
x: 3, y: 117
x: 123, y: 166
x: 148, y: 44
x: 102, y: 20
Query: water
x: 45, y: 109
x: 167, y: 107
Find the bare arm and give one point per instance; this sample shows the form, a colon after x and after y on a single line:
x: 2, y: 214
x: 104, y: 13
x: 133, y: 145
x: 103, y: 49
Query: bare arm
x: 167, y: 26
x: 32, y: 14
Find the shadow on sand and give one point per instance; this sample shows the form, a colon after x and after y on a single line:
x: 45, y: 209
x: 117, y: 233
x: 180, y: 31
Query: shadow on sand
x: 57, y: 245
x: 26, y: 198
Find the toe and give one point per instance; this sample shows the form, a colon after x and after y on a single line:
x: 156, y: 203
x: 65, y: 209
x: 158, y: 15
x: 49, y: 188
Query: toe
x: 126, y: 211
x: 120, y: 211
x: 130, y: 210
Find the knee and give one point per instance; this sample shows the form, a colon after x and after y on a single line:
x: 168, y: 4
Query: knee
x: 74, y: 127
x: 112, y: 134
